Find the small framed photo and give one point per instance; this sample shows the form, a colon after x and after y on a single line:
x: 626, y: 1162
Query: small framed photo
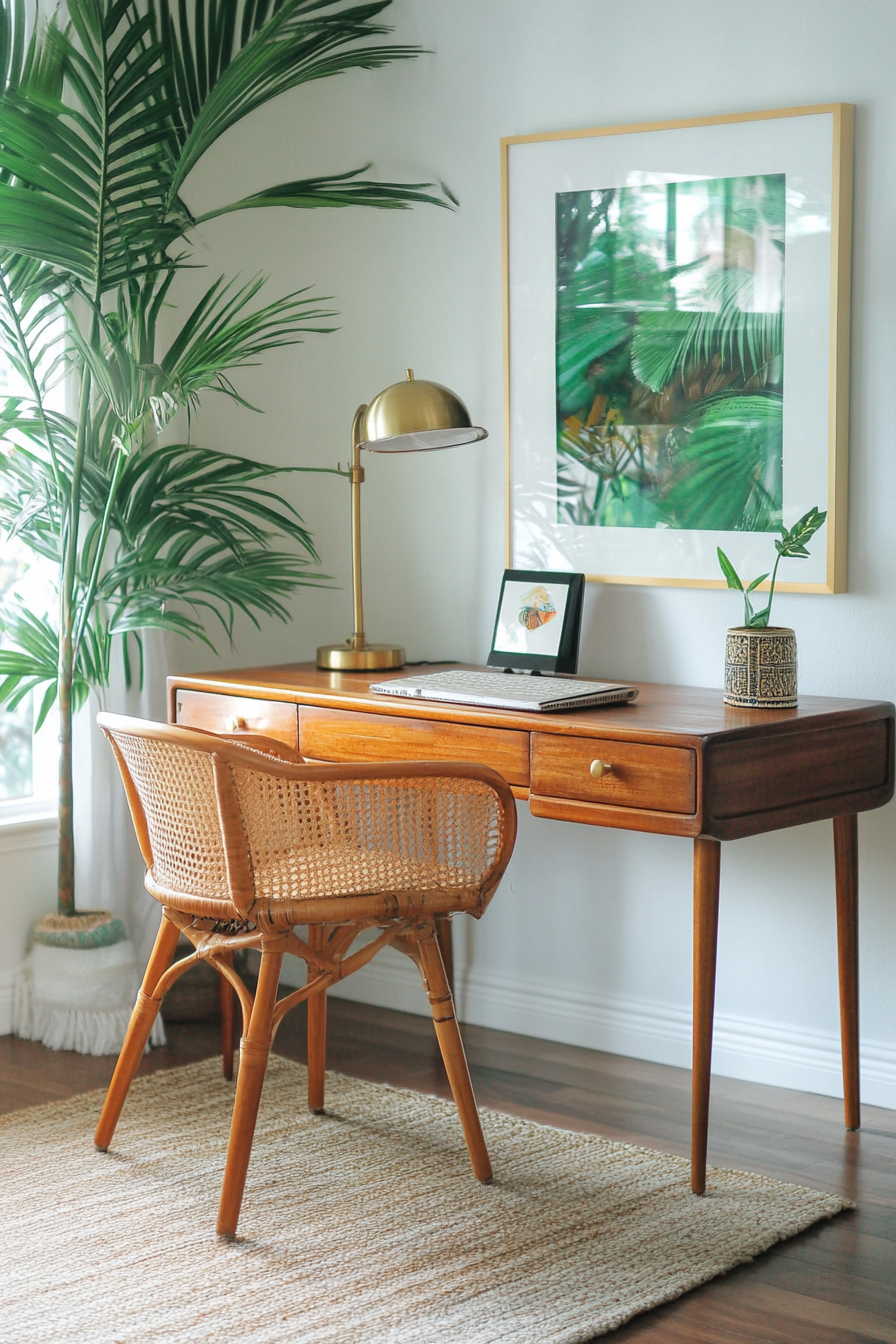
x: 539, y: 621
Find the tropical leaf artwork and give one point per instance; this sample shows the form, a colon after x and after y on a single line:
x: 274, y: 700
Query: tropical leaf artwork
x: 669, y: 354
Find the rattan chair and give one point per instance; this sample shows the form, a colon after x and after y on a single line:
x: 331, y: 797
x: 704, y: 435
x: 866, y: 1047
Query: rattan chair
x: 242, y: 846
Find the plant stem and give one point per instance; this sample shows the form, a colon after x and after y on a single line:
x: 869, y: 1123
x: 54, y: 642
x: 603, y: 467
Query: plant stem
x: 771, y: 591
x: 66, y: 665
x: 87, y: 600
x: 65, y: 891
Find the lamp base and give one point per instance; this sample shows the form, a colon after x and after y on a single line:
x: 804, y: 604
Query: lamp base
x: 372, y: 658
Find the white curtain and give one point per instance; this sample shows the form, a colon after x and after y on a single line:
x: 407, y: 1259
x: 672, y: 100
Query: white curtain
x: 108, y: 865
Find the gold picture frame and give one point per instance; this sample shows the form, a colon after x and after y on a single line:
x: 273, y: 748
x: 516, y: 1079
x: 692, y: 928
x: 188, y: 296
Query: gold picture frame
x: 806, y: 154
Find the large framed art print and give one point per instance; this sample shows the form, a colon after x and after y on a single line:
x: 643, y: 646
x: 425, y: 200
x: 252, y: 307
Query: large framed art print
x: 676, y: 345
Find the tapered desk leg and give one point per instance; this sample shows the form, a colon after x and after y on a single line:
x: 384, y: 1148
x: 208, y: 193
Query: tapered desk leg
x: 846, y: 866
x: 707, y: 856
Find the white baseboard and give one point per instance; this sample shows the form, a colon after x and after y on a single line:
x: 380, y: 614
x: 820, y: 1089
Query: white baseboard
x: 756, y: 1051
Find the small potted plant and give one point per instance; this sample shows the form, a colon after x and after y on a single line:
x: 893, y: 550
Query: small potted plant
x: 760, y: 659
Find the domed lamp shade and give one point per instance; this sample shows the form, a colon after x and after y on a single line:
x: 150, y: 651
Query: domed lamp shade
x: 410, y: 417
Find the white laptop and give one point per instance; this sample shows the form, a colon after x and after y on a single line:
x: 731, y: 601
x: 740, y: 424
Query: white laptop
x: 503, y: 690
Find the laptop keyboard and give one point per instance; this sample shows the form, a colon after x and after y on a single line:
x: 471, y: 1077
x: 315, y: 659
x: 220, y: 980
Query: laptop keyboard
x: 490, y: 688
x: 512, y: 687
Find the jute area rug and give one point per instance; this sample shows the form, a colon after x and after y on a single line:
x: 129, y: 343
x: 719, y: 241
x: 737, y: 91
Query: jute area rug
x: 362, y: 1226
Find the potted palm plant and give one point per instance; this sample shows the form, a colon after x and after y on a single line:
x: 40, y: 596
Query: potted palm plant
x: 105, y: 109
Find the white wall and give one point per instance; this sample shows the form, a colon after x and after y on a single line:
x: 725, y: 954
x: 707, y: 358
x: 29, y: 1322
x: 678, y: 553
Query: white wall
x: 27, y: 885
x: 589, y: 939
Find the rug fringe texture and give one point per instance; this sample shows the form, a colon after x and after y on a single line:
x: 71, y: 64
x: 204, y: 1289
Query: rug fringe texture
x: 364, y: 1224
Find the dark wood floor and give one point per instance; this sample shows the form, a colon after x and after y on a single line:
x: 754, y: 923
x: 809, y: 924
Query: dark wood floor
x: 835, y: 1284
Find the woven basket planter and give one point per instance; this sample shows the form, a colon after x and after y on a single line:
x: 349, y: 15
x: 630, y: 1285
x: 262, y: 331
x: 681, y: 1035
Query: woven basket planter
x: 760, y: 668
x: 78, y: 998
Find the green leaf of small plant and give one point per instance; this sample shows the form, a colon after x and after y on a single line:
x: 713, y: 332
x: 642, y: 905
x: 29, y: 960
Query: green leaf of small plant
x: 729, y: 571
x: 792, y: 545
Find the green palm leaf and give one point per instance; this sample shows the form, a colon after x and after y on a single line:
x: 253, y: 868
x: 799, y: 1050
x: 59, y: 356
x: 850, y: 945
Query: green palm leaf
x: 180, y: 493
x: 220, y: 335
x: 278, y: 48
x: 597, y: 307
x: 337, y: 191
x: 727, y: 474
x: 673, y: 342
x: 33, y: 662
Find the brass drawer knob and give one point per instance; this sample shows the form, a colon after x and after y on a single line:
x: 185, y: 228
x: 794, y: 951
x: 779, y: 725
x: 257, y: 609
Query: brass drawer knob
x: 235, y: 724
x: 600, y: 768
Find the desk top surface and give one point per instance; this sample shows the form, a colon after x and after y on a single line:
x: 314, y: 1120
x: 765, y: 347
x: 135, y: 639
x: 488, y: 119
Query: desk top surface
x: 679, y: 711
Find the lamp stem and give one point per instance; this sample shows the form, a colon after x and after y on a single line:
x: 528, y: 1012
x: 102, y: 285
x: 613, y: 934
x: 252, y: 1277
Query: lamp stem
x: 358, y: 639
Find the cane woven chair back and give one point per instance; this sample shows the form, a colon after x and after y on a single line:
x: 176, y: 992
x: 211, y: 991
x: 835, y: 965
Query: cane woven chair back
x: 226, y: 823
x: 309, y: 838
x: 175, y: 788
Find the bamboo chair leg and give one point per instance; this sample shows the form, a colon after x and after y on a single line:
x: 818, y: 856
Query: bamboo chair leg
x: 228, y: 998
x: 254, y: 1050
x: 142, y: 1018
x: 452, y: 1048
x: 317, y: 1032
x: 445, y: 940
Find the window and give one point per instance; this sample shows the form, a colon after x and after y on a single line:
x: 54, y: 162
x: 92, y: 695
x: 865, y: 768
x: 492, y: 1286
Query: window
x: 28, y: 762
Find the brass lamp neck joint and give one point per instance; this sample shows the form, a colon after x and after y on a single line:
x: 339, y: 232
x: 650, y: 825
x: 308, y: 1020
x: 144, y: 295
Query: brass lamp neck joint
x: 356, y: 428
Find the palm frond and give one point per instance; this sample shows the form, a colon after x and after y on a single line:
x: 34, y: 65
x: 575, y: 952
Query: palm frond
x: 32, y: 337
x: 219, y: 75
x: 33, y: 662
x: 139, y: 590
x: 86, y: 174
x: 726, y: 473
x: 670, y: 343
x: 220, y: 335
x: 13, y: 45
x: 180, y: 495
x: 26, y: 60
x: 598, y: 304
x: 337, y: 191
x: 33, y: 489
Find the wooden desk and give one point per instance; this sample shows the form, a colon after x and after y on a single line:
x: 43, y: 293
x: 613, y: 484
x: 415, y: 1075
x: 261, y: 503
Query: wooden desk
x: 681, y: 764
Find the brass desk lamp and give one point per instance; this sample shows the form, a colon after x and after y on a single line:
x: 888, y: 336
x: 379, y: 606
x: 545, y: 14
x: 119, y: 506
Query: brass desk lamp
x: 409, y: 417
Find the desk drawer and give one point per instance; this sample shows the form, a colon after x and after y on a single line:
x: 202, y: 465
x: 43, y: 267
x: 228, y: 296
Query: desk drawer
x: 237, y: 714
x: 659, y: 779
x: 343, y: 735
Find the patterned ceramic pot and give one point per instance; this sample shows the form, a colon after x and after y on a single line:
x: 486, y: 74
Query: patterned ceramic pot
x: 760, y: 668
